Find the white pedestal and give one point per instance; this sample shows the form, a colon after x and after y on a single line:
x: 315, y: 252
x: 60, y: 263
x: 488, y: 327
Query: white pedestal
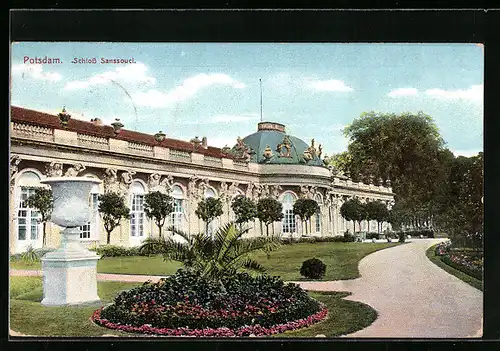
x: 70, y: 273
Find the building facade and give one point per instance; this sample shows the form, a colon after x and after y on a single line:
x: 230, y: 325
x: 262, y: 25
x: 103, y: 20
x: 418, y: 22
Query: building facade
x: 267, y: 163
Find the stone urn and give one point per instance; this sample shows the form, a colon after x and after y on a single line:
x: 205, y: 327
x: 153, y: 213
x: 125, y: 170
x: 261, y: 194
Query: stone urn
x: 70, y: 272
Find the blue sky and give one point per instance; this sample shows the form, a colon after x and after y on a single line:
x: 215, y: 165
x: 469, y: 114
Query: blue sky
x: 212, y: 89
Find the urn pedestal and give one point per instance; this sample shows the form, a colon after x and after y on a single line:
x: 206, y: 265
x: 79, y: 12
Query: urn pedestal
x: 70, y: 272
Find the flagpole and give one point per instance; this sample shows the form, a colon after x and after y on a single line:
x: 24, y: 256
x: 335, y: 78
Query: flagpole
x: 260, y: 80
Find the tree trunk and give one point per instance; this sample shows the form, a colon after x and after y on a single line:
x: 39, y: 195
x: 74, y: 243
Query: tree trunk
x: 159, y: 231
x: 378, y: 227
x: 354, y: 227
x: 267, y: 229
x: 206, y: 227
x: 108, y: 237
x: 44, y: 234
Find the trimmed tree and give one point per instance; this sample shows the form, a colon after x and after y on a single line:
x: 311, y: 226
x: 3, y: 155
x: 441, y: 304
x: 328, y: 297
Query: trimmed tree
x: 377, y: 211
x: 244, y: 209
x: 305, y: 209
x: 269, y: 210
x: 353, y: 210
x: 43, y: 202
x: 158, y: 206
x: 112, y: 209
x: 209, y: 209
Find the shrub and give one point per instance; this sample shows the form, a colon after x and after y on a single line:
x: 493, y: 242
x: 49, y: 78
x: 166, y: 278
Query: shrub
x: 187, y: 301
x: 313, y: 268
x: 30, y: 256
x: 467, y: 264
x: 372, y: 235
x: 427, y: 233
x: 348, y: 237
x: 402, y: 237
x: 117, y: 251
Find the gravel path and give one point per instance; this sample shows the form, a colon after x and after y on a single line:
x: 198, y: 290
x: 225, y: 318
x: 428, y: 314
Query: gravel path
x: 413, y: 296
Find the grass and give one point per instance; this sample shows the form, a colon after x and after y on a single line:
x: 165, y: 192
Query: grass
x: 341, y: 260
x: 29, y: 317
x: 431, y: 255
x: 344, y: 317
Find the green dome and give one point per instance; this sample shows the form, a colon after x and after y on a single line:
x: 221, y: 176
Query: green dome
x: 271, y: 140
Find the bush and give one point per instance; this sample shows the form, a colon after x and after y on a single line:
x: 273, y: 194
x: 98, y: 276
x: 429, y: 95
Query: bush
x: 117, y: 251
x: 372, y: 235
x: 427, y: 233
x: 402, y: 237
x: 30, y: 256
x: 313, y: 268
x: 465, y: 264
x: 186, y: 300
x: 348, y: 237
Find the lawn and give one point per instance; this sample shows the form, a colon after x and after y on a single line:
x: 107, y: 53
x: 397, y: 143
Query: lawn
x: 29, y: 317
x: 341, y: 260
x: 430, y: 253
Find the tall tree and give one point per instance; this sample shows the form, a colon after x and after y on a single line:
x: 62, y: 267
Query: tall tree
x: 112, y: 209
x: 158, y: 206
x: 209, y: 209
x: 244, y: 209
x: 405, y: 148
x: 269, y: 210
x: 377, y: 211
x: 43, y: 202
x: 353, y: 210
x: 305, y: 209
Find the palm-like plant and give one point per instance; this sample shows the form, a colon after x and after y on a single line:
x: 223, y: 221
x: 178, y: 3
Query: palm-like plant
x: 221, y: 256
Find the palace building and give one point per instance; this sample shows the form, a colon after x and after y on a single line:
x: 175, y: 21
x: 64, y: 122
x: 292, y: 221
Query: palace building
x: 267, y: 163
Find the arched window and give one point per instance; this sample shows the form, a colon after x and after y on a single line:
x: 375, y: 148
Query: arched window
x: 177, y: 216
x: 137, y: 209
x: 28, y: 226
x: 209, y: 192
x: 319, y: 200
x: 288, y: 217
x: 91, y: 229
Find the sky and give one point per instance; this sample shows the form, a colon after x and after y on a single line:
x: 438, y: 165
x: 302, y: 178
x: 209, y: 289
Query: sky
x: 213, y: 89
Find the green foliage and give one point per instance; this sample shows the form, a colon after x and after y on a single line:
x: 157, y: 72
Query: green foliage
x: 269, y: 210
x: 377, y: 211
x: 305, y: 209
x: 30, y: 256
x: 43, y: 202
x: 244, y: 209
x: 189, y: 300
x: 353, y: 210
x: 112, y: 209
x: 158, y: 206
x: 402, y: 237
x: 313, y: 268
x: 117, y: 251
x: 223, y: 255
x: 209, y: 209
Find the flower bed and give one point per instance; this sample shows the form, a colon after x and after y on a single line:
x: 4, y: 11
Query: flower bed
x: 468, y: 263
x: 187, y: 304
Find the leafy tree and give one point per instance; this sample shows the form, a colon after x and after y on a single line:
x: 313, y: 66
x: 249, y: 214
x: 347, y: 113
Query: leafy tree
x: 112, y: 209
x: 209, y: 209
x: 43, y: 202
x: 353, y: 210
x: 305, y: 209
x: 158, y: 206
x: 377, y: 211
x: 461, y: 212
x: 244, y: 209
x: 269, y: 210
x: 221, y: 256
x: 405, y: 148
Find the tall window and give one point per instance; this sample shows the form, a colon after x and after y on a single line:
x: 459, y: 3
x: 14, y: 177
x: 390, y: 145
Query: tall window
x: 91, y: 229
x: 176, y: 217
x: 288, y: 216
x: 319, y: 200
x: 28, y: 226
x: 137, y: 210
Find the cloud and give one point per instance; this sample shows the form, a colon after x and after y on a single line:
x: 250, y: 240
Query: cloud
x: 466, y: 153
x: 35, y: 71
x: 474, y: 93
x: 403, y: 92
x: 185, y: 91
x: 328, y: 85
x: 133, y: 73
